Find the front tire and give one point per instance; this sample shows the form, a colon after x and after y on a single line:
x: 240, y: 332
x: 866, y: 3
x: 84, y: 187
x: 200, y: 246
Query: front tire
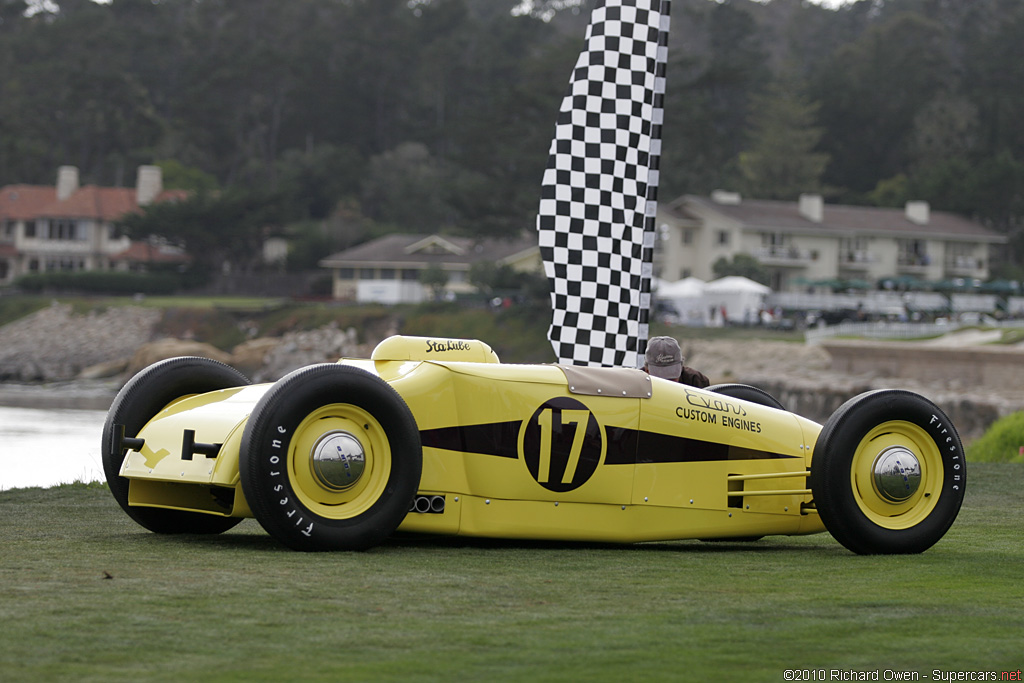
x: 330, y: 459
x: 888, y: 474
x: 145, y: 395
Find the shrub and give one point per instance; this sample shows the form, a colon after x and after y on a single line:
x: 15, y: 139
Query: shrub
x: 100, y: 282
x: 1001, y: 443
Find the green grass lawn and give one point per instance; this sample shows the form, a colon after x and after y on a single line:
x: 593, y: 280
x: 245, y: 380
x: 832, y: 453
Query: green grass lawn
x: 86, y: 595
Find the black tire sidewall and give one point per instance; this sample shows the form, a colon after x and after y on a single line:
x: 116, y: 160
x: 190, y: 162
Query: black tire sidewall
x: 746, y: 392
x: 269, y: 432
x: 138, y: 401
x: 830, y: 478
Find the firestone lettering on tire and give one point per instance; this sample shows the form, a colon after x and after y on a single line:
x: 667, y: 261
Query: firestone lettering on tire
x: 274, y: 459
x: 952, y: 446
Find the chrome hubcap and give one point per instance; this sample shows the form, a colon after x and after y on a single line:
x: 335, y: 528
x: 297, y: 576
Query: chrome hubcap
x: 338, y: 460
x: 897, y: 474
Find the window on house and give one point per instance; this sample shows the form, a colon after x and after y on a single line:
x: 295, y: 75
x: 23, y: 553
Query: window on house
x: 913, y: 253
x: 366, y: 274
x: 774, y: 239
x: 853, y: 243
x: 346, y: 273
x: 8, y: 229
x: 723, y: 237
x: 387, y: 273
x: 410, y: 274
x: 30, y: 228
x: 687, y: 236
x: 961, y: 255
x: 853, y: 249
x: 66, y: 230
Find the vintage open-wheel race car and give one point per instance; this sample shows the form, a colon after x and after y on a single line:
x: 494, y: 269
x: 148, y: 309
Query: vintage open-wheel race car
x: 437, y: 436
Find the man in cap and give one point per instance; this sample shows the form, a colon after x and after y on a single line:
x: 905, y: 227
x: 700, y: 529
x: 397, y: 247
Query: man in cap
x: 665, y: 359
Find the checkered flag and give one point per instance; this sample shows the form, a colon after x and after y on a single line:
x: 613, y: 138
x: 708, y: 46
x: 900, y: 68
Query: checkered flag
x: 599, y: 193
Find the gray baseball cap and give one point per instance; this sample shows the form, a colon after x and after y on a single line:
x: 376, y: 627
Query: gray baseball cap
x: 664, y: 358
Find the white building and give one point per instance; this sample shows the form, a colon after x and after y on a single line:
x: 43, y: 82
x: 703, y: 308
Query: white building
x: 809, y: 241
x: 388, y: 269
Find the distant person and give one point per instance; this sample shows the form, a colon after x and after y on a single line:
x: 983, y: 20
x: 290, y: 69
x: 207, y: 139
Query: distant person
x: 665, y: 359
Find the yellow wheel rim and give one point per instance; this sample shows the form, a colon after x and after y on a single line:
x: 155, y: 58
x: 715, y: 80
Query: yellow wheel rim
x: 896, y: 474
x: 339, y: 461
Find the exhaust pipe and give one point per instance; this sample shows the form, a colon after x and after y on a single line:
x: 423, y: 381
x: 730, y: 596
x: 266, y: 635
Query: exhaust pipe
x: 425, y: 504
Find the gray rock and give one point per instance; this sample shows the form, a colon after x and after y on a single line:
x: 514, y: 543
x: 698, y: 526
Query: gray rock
x: 56, y: 344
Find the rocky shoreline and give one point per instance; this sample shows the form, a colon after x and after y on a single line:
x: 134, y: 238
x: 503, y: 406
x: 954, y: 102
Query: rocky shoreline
x: 56, y: 345
x: 57, y: 358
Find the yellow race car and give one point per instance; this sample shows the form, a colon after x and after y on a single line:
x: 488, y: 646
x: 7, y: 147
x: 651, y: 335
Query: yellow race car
x: 437, y: 436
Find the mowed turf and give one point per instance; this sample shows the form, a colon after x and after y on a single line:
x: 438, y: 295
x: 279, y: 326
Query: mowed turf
x: 86, y: 595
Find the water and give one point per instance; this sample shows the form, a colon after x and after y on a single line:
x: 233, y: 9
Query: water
x: 49, y: 446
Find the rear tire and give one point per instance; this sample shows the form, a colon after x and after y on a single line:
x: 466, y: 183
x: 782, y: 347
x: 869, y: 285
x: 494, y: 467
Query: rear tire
x: 145, y: 395
x: 888, y: 473
x: 745, y: 392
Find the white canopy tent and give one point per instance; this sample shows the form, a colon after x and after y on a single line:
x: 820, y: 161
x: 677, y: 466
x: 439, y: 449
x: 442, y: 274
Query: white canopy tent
x: 688, y: 286
x: 741, y: 298
x: 686, y: 297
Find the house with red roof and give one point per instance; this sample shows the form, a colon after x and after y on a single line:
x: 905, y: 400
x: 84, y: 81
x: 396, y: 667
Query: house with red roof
x: 71, y: 227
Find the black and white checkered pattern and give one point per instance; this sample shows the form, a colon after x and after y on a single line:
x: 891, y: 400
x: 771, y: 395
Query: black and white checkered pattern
x: 599, y: 194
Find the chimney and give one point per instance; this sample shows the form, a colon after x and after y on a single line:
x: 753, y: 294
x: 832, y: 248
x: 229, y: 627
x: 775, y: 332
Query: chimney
x: 67, y: 182
x: 918, y: 212
x: 148, y: 184
x: 812, y: 207
x: 724, y: 197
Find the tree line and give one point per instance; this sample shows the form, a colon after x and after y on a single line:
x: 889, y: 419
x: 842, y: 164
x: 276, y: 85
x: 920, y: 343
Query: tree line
x: 333, y: 120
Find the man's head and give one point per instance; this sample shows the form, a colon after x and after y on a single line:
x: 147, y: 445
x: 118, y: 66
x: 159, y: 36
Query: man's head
x: 664, y: 358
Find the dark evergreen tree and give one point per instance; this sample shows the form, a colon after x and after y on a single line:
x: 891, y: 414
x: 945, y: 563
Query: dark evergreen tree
x: 781, y: 161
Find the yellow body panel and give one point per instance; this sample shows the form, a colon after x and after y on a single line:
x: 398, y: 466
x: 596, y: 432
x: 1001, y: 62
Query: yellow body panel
x: 161, y: 477
x: 519, y: 452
